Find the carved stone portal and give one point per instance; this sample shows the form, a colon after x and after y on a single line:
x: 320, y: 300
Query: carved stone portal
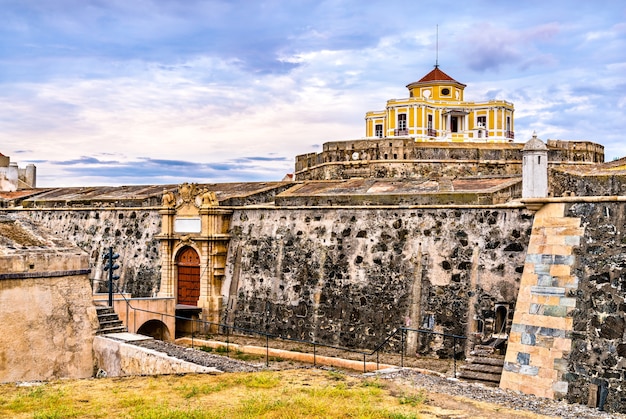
x: 192, y: 222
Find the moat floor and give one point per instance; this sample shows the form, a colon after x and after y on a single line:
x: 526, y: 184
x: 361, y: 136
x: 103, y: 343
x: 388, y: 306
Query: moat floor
x: 446, y: 397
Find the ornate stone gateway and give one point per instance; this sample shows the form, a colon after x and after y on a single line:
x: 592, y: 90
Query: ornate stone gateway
x: 194, y: 242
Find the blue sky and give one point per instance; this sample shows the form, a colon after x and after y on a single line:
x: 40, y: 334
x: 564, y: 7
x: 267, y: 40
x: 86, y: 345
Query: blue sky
x: 113, y: 92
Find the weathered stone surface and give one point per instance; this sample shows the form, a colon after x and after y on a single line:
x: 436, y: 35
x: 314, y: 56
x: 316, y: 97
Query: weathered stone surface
x: 599, y: 318
x: 117, y: 358
x: 132, y: 234
x: 313, y: 274
x: 48, y: 318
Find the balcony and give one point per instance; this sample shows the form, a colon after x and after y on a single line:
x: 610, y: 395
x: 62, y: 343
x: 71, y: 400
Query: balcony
x: 398, y: 132
x: 510, y: 135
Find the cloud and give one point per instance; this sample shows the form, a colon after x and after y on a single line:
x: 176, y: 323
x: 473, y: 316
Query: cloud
x: 235, y: 89
x: 490, y: 47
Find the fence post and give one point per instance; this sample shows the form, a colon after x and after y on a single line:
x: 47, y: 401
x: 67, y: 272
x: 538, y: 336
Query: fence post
x: 364, y: 366
x: 314, y: 355
x: 454, y: 353
x: 267, y: 350
x: 402, y: 331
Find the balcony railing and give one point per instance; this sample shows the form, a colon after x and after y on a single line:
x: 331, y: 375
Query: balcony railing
x: 398, y: 132
x: 510, y: 134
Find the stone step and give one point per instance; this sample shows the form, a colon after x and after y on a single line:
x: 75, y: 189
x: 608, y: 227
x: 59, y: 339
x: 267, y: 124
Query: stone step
x: 100, y: 310
x: 486, y: 360
x: 109, y: 321
x: 479, y: 376
x: 485, y: 383
x: 490, y: 369
x: 485, y: 348
x: 113, y: 323
x: 106, y: 331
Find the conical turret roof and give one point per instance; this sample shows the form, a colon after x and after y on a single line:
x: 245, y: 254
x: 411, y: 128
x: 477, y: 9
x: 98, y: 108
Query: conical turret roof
x: 535, y: 144
x: 436, y: 75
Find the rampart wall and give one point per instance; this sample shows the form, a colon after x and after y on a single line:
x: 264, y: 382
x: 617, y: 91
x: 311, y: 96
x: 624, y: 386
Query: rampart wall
x: 131, y: 231
x: 405, y: 158
x: 598, y: 355
x: 348, y: 276
x: 566, y: 183
x: 47, y: 316
x: 338, y: 275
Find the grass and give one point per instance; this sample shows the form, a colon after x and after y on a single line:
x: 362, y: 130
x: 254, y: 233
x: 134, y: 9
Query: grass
x: 266, y: 394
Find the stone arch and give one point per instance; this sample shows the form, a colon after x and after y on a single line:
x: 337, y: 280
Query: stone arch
x: 156, y: 329
x: 188, y: 276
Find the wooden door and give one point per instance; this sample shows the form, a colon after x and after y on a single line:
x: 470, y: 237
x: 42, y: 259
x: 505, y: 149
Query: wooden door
x: 188, y: 263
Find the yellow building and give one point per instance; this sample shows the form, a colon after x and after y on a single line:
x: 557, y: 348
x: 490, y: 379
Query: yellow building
x: 435, y: 111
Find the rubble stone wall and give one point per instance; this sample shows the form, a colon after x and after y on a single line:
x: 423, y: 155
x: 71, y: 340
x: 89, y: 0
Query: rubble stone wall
x: 130, y: 231
x: 564, y: 183
x: 345, y: 276
x: 598, y: 355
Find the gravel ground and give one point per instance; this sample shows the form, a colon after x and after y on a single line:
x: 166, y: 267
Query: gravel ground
x: 505, y: 398
x: 199, y: 357
x: 431, y: 383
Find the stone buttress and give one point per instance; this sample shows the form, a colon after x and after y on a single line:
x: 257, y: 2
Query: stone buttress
x: 540, y: 340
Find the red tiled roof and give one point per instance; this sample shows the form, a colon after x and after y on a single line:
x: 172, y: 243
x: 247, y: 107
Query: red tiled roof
x: 436, y: 75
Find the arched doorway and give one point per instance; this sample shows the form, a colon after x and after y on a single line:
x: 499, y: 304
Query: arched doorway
x: 188, y: 263
x: 500, y: 320
x: 156, y: 329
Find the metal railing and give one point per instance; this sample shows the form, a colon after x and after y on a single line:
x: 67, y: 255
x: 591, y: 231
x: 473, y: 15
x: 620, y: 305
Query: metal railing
x: 432, y: 332
x: 376, y: 351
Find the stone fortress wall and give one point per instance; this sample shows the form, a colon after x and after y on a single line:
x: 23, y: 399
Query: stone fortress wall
x: 339, y: 275
x: 406, y: 158
x: 348, y: 276
x: 130, y: 231
x: 598, y: 354
x: 47, y: 315
x: 13, y: 177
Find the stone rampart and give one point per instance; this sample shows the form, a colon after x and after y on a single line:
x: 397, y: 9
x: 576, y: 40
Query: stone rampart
x: 596, y: 370
x: 131, y: 231
x: 348, y: 276
x: 338, y: 275
x: 406, y: 158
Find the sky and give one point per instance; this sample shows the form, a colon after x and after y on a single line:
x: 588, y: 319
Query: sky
x: 120, y: 92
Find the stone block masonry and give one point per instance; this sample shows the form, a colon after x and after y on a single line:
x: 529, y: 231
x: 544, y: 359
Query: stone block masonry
x: 541, y: 333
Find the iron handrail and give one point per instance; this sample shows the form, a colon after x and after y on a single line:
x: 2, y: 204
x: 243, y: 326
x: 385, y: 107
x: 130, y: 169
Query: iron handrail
x: 315, y: 344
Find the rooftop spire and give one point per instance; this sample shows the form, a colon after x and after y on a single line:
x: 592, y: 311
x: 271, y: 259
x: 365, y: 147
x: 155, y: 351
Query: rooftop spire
x: 437, y: 48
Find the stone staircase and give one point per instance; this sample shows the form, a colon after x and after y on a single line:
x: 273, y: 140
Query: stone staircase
x: 483, y: 366
x: 109, y: 321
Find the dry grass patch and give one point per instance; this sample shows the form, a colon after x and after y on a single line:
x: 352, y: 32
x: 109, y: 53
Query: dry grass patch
x: 267, y: 394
